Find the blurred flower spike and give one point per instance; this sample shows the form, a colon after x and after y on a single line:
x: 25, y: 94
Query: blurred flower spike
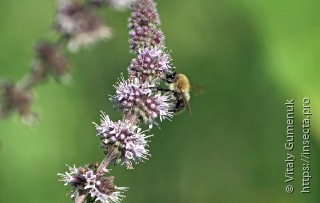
x: 14, y: 98
x: 18, y: 96
x: 51, y: 59
x: 79, y: 24
x: 120, y: 5
x: 86, y: 180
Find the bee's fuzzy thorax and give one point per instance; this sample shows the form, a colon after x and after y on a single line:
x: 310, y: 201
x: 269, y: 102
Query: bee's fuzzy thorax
x: 183, y: 83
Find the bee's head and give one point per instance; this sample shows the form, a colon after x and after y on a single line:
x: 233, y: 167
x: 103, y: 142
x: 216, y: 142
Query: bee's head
x: 171, y: 77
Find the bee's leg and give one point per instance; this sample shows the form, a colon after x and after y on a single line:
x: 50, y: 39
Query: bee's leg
x: 179, y: 107
x: 178, y: 104
x: 164, y: 90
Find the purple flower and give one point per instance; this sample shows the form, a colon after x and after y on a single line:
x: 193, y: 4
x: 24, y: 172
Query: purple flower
x: 124, y: 137
x: 149, y: 64
x: 143, y: 26
x: 144, y: 14
x: 141, y: 101
x: 85, y: 180
x: 144, y: 37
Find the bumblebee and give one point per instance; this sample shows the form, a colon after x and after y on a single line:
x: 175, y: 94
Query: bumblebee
x: 180, y: 86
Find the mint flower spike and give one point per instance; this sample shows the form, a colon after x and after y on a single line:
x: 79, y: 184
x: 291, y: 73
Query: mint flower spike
x: 140, y: 100
x: 144, y: 14
x: 144, y: 36
x: 85, y: 180
x: 150, y: 64
x: 79, y: 23
x: 143, y: 27
x: 125, y: 138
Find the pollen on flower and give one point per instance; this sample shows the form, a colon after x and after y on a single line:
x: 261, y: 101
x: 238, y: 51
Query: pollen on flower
x: 85, y: 180
x: 124, y: 137
x: 140, y: 100
x: 79, y: 24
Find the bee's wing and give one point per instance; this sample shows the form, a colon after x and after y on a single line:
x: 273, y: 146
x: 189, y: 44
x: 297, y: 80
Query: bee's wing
x: 186, y: 102
x: 197, y: 89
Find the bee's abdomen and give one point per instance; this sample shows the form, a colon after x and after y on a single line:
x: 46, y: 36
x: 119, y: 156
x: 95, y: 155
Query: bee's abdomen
x: 180, y: 104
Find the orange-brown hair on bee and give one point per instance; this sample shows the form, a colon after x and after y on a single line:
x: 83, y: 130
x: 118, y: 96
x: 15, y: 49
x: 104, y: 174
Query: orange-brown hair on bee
x: 182, y: 83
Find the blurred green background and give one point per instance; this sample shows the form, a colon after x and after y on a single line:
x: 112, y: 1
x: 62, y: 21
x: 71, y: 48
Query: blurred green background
x: 251, y: 55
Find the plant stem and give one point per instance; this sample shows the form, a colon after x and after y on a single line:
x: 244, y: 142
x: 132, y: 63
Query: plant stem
x: 80, y: 198
x: 105, y: 162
